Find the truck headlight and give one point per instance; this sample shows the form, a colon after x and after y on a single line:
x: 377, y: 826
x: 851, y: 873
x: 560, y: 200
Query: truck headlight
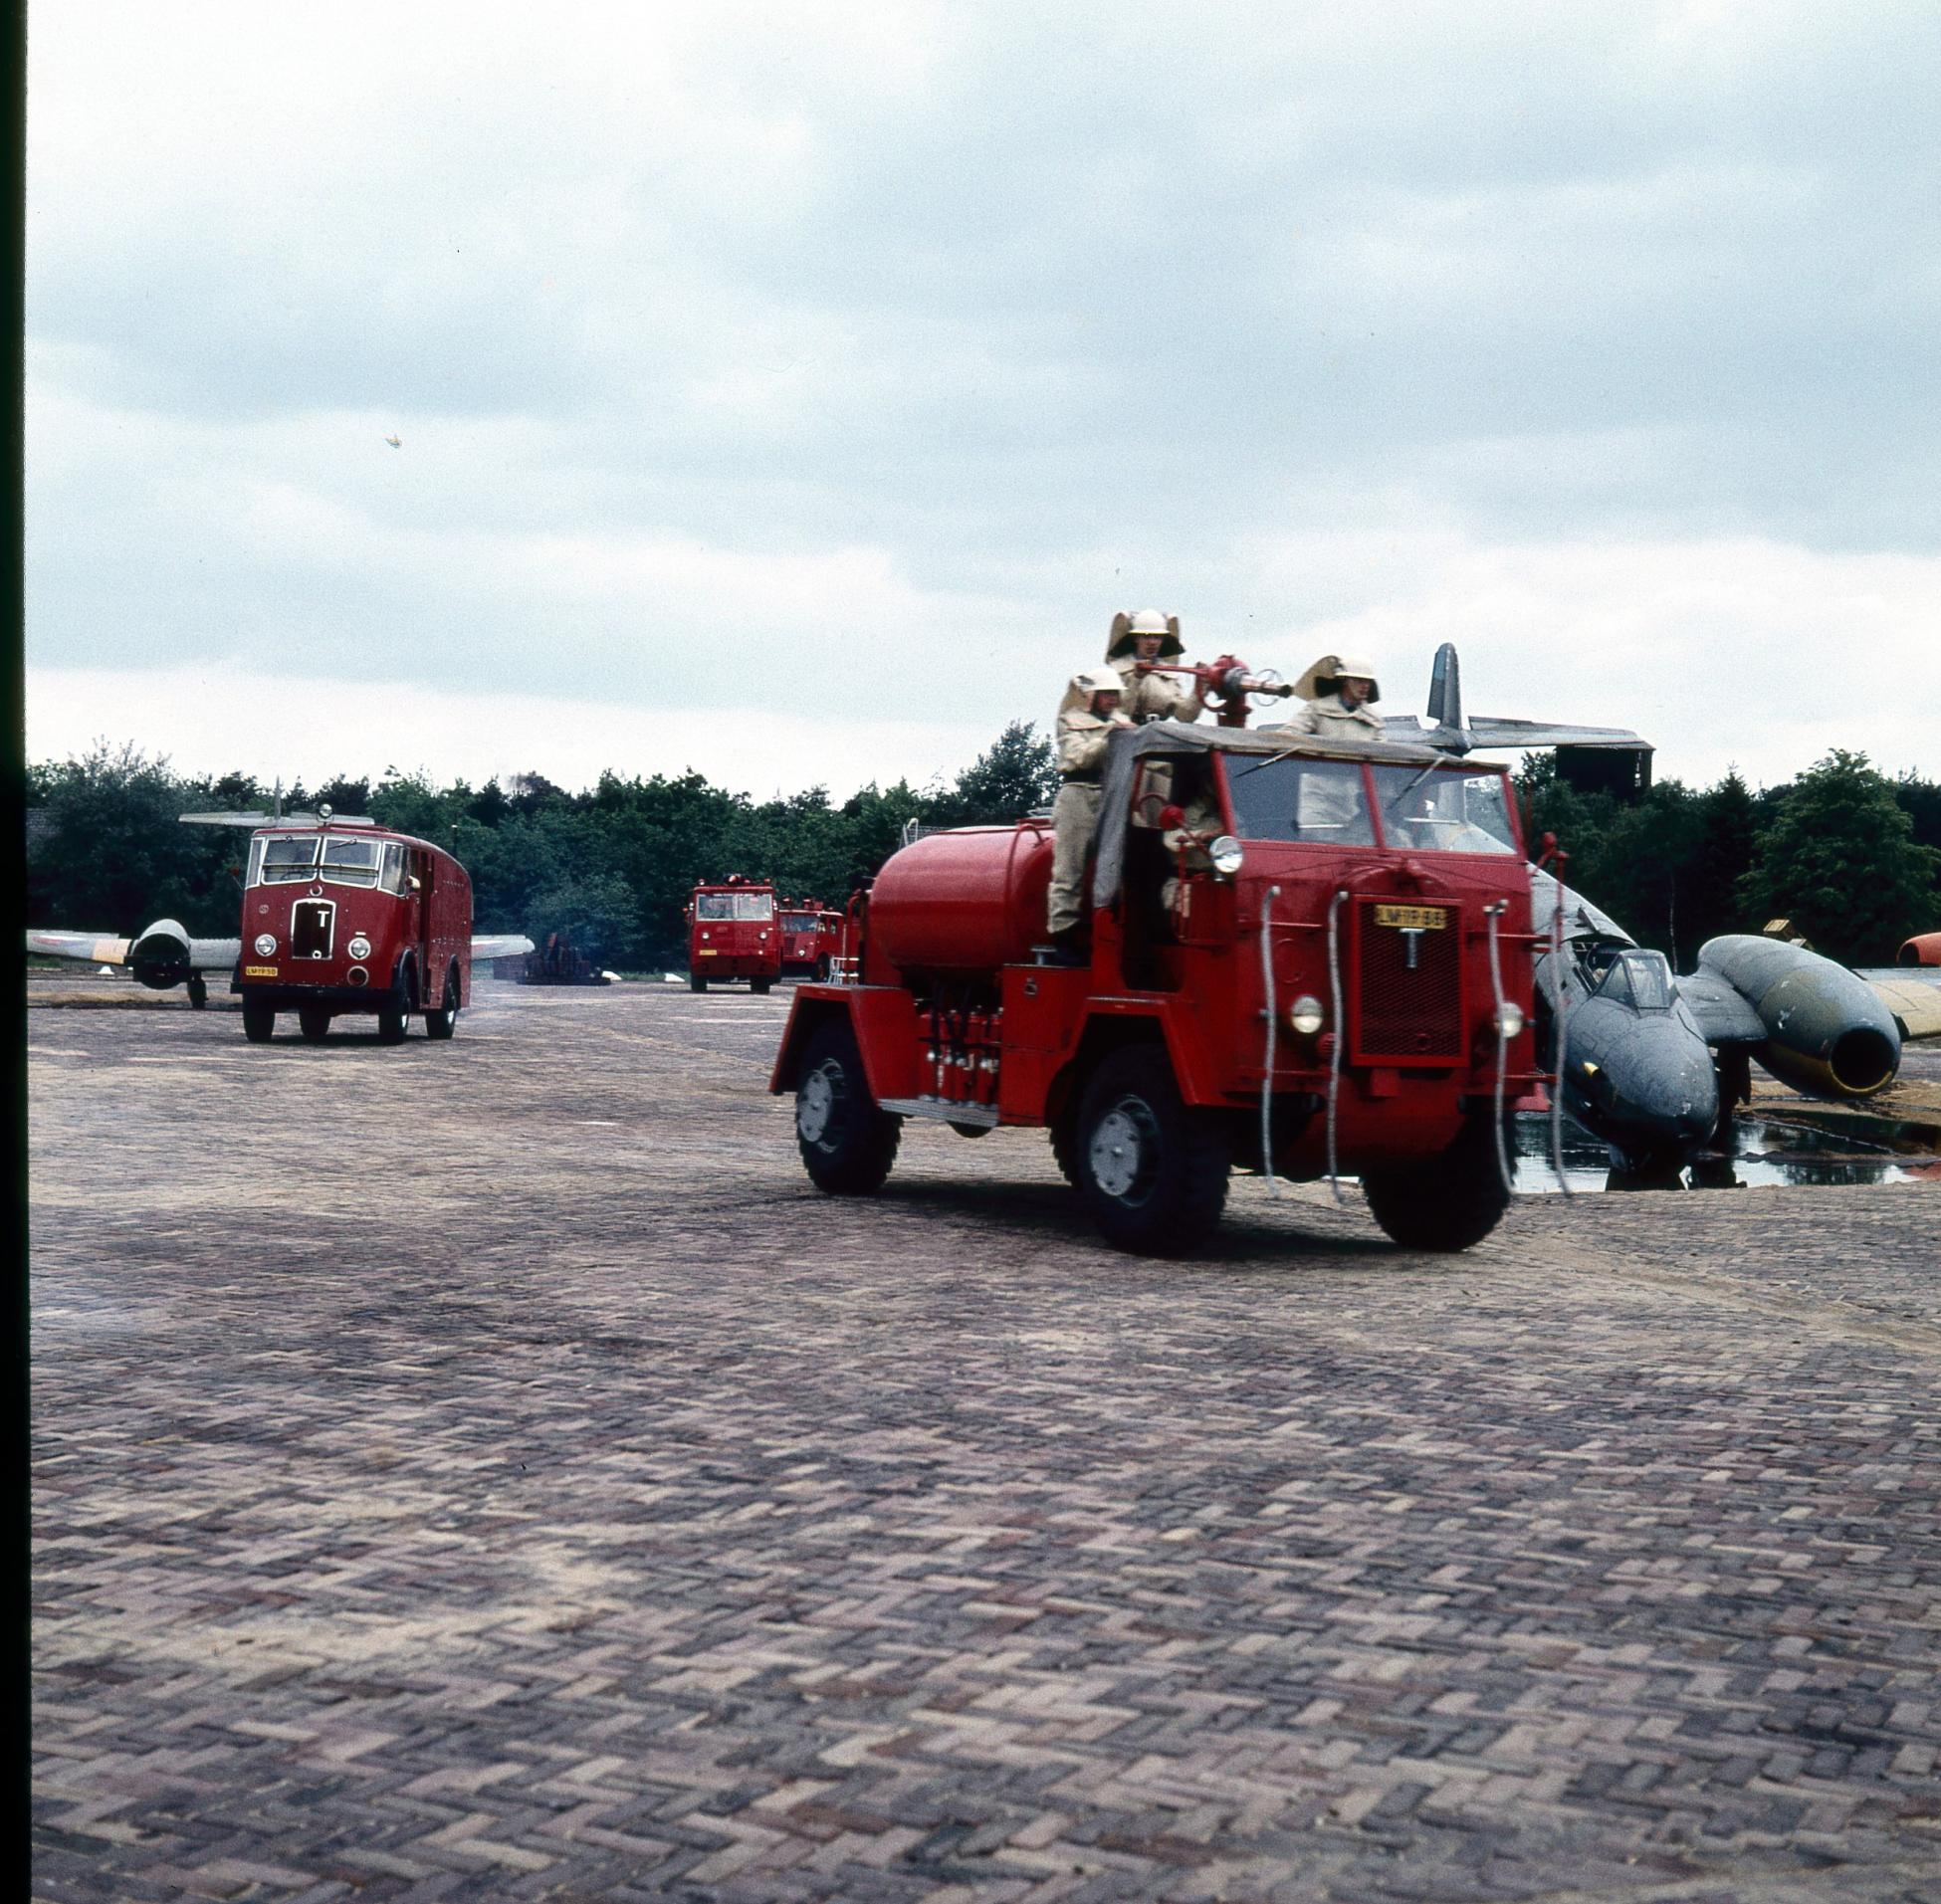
x: 1508, y: 1018
x: 266, y: 944
x: 1225, y: 854
x: 359, y: 947
x: 1305, y: 1014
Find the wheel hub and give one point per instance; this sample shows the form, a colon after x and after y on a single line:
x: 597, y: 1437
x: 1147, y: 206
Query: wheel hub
x: 1121, y: 1148
x: 815, y: 1107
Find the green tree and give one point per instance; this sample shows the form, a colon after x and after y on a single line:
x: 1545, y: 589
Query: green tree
x: 1017, y: 774
x: 1840, y: 859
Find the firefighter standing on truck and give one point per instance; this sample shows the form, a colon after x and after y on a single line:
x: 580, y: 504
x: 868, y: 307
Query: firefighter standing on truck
x: 1151, y: 636
x: 1087, y: 718
x: 1339, y: 692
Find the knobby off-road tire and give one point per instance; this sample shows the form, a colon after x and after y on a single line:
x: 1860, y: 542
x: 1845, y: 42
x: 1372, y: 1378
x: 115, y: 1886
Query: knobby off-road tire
x: 847, y: 1142
x: 314, y: 1022
x: 258, y: 1023
x: 1152, y: 1169
x: 1064, y: 1145
x: 444, y: 1021
x: 1447, y: 1203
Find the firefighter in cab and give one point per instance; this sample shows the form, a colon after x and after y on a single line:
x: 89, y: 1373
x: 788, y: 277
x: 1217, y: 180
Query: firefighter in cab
x: 1087, y: 717
x: 1150, y: 637
x: 1339, y: 693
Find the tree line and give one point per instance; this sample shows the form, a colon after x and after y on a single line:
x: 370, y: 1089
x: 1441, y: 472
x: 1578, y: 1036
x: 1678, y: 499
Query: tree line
x: 1851, y: 857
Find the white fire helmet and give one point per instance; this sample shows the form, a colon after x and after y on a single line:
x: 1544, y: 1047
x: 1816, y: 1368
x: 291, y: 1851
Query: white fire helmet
x: 1327, y: 674
x: 1148, y: 621
x: 1088, y: 681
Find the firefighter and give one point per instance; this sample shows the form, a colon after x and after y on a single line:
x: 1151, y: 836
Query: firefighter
x: 1087, y: 717
x: 1188, y: 844
x: 1151, y: 636
x: 1339, y: 692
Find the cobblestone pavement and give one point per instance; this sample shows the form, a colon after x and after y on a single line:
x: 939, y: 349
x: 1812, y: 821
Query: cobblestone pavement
x: 489, y: 1470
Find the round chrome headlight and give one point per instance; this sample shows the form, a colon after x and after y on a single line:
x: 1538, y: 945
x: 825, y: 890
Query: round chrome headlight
x: 1225, y: 854
x: 266, y: 944
x: 359, y: 947
x: 1509, y: 1018
x: 1305, y: 1014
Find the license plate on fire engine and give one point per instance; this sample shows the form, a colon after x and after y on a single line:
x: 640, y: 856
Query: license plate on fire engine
x: 1412, y: 919
x: 259, y: 972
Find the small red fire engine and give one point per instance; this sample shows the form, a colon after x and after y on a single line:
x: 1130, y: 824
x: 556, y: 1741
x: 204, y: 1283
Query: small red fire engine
x: 341, y: 915
x: 1308, y: 959
x: 733, y: 932
x: 812, y: 940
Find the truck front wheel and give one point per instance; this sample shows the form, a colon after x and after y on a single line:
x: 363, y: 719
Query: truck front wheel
x: 1447, y: 1203
x: 259, y: 1023
x: 1152, y: 1169
x: 847, y: 1143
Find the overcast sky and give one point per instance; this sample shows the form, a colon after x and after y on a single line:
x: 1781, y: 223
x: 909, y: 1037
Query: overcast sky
x: 795, y: 392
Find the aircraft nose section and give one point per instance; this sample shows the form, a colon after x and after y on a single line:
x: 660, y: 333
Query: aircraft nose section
x: 1661, y: 1086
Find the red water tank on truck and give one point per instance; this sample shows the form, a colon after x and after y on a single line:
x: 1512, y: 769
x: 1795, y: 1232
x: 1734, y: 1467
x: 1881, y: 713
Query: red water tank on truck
x: 1308, y: 959
x: 733, y: 933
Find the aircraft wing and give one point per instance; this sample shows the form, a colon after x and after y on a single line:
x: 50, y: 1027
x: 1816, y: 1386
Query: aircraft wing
x: 1912, y: 993
x: 1723, y: 1014
x: 1487, y: 731
x: 96, y: 949
x: 499, y: 944
x: 90, y: 948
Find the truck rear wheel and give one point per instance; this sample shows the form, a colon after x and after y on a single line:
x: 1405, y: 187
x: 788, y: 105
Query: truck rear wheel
x: 847, y: 1142
x: 444, y: 1021
x: 1447, y: 1203
x: 1152, y: 1169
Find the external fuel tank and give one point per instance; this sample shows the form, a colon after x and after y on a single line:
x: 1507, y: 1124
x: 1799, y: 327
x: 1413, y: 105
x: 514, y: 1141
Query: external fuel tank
x: 964, y: 902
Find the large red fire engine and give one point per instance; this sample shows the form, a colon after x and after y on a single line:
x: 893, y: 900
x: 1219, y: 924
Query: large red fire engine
x: 1337, y: 983
x: 341, y: 915
x: 733, y: 932
x: 812, y: 940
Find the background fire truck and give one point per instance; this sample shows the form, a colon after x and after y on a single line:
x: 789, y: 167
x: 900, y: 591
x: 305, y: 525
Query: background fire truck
x: 1338, y: 982
x: 812, y: 940
x: 733, y: 932
x: 342, y: 916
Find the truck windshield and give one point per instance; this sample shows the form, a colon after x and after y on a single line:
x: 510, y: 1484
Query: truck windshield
x: 275, y: 861
x: 799, y: 922
x: 1324, y: 801
x: 733, y: 906
x: 1445, y: 810
x: 351, y: 862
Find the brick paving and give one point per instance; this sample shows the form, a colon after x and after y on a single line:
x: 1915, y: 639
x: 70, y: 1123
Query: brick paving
x: 489, y: 1470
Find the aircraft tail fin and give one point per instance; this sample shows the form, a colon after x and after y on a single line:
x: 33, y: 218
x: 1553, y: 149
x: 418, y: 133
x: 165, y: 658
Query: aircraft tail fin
x: 1445, y: 688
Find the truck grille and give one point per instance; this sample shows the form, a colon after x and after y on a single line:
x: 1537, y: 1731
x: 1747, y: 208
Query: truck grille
x: 309, y: 927
x: 1409, y: 1013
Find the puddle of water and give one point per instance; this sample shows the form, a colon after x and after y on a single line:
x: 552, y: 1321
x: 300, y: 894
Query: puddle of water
x: 1804, y: 1146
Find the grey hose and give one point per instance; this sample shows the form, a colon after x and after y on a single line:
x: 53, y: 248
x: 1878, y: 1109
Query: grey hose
x: 1493, y: 913
x: 1334, y: 1055
x: 1273, y: 1028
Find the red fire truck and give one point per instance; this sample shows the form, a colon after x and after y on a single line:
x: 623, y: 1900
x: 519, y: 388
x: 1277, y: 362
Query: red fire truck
x: 341, y: 915
x: 1337, y: 983
x: 812, y: 940
x: 733, y: 932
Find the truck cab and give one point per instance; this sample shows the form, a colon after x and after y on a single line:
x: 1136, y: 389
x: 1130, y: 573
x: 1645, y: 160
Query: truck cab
x: 342, y: 917
x: 1308, y: 959
x: 812, y: 940
x: 733, y: 933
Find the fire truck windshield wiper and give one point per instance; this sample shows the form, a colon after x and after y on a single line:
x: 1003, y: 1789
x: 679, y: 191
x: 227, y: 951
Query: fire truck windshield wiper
x: 1388, y: 806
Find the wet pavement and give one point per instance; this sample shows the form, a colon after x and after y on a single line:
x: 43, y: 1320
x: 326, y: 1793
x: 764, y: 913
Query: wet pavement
x: 490, y: 1469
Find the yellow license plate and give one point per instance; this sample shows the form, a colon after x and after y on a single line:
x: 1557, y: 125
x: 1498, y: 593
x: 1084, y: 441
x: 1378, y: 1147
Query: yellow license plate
x: 259, y: 972
x: 1412, y: 919
x: 707, y: 951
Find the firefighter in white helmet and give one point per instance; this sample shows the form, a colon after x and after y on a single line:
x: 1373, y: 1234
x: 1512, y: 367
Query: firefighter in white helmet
x: 1339, y: 692
x: 1151, y: 636
x: 1087, y: 718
